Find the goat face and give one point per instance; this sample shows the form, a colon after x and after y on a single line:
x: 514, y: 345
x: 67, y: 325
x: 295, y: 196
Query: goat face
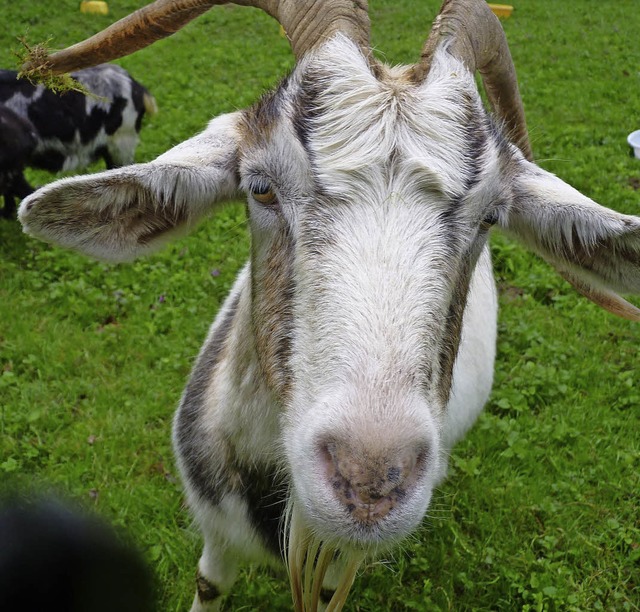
x: 367, y: 209
x: 367, y: 206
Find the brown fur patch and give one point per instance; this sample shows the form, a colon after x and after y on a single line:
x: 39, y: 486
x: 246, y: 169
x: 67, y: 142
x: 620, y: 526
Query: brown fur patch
x: 453, y: 331
x: 258, y: 121
x: 273, y: 288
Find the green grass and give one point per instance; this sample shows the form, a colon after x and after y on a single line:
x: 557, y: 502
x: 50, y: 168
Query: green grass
x: 541, y: 510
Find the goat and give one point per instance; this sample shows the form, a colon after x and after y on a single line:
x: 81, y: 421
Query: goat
x: 18, y: 140
x: 73, y: 129
x: 357, y: 344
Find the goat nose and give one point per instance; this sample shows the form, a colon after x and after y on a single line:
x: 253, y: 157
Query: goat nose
x: 370, y: 485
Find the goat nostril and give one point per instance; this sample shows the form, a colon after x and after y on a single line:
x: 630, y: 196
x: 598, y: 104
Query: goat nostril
x: 393, y: 475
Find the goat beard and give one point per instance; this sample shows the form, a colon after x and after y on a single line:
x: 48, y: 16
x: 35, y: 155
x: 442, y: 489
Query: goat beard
x: 307, y: 558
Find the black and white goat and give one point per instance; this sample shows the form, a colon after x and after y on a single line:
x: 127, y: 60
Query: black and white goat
x: 73, y: 129
x: 358, y: 343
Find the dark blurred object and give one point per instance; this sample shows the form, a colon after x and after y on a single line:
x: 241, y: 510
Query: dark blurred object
x: 55, y: 557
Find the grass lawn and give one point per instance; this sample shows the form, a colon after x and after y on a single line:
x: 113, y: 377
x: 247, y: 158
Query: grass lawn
x: 542, y: 507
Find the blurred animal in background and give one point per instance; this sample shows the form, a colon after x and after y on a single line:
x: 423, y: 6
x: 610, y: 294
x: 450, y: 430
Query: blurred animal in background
x: 72, y: 130
x: 18, y: 139
x: 55, y: 557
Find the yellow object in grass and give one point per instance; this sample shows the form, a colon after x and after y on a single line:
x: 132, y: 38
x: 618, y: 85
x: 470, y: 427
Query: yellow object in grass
x: 94, y: 6
x: 501, y: 10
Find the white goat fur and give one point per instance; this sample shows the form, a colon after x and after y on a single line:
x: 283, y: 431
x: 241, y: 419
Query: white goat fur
x: 381, y: 216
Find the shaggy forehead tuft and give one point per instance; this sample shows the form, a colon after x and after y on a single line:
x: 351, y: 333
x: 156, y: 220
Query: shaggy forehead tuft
x: 352, y: 120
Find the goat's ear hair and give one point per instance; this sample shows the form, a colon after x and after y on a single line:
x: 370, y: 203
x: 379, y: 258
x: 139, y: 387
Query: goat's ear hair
x: 120, y: 214
x: 594, y: 248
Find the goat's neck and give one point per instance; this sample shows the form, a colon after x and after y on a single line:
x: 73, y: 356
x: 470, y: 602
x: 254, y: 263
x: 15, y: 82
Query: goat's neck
x: 237, y: 388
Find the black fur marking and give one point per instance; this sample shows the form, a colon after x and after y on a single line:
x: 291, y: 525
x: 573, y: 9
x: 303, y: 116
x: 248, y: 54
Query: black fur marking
x: 482, y: 132
x: 53, y: 115
x: 189, y: 434
x: 269, y: 108
x: 137, y: 94
x: 307, y: 113
x: 10, y: 85
x: 265, y: 492
x: 112, y: 120
x: 476, y: 146
x: 306, y: 109
x: 18, y: 139
x: 206, y: 590
x: 50, y: 160
x: 103, y: 152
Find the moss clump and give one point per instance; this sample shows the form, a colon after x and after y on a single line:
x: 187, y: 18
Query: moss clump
x: 38, y: 69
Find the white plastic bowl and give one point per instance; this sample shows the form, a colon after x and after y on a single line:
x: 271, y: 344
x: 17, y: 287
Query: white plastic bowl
x: 634, y: 142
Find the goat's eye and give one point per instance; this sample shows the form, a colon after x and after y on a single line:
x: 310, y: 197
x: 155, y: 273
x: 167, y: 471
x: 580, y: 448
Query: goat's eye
x: 263, y: 193
x: 490, y: 220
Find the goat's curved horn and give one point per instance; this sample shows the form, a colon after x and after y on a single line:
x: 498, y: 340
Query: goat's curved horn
x: 473, y: 34
x: 306, y: 23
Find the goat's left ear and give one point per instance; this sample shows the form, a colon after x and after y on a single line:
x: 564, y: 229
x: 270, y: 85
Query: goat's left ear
x: 594, y: 248
x: 120, y: 214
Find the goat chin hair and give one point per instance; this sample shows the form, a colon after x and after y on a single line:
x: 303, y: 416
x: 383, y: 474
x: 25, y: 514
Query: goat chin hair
x: 307, y: 559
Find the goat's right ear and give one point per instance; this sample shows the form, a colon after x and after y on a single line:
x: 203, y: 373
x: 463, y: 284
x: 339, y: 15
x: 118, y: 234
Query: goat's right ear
x: 594, y: 248
x: 120, y: 214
